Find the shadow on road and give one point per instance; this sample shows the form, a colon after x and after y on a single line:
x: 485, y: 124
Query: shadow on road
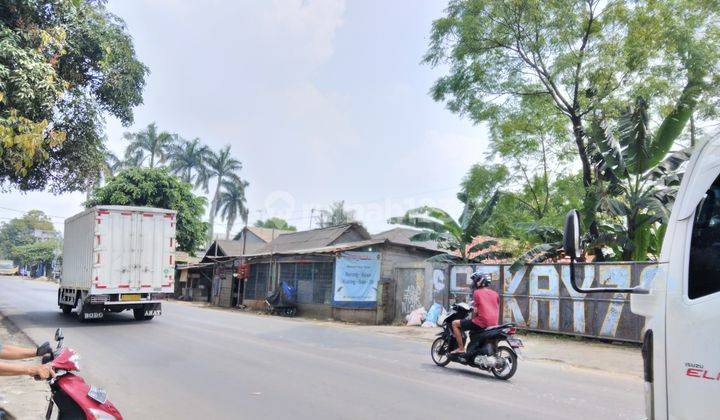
x: 56, y: 319
x: 458, y: 370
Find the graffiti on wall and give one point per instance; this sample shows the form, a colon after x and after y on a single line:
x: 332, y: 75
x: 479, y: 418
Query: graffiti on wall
x: 541, y: 298
x: 412, y: 283
x: 438, y: 285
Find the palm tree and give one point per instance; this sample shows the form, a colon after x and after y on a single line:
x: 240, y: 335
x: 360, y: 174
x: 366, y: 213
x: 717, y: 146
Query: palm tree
x: 188, y: 159
x: 149, y: 141
x: 336, y: 215
x: 232, y: 203
x: 221, y: 166
x: 107, y: 167
x: 453, y: 235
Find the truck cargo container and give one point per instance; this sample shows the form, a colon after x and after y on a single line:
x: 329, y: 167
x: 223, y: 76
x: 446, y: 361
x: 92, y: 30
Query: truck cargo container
x: 118, y: 258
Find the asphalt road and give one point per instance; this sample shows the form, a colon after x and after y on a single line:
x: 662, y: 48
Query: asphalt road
x: 195, y: 362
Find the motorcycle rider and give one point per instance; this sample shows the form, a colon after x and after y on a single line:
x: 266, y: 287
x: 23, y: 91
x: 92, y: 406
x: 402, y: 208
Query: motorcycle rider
x: 8, y: 352
x: 486, y: 309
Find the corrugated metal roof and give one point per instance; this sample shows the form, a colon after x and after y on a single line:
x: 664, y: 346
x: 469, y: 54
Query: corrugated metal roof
x: 184, y: 257
x: 310, y: 239
x: 267, y: 234
x: 324, y: 249
x: 235, y: 248
x: 401, y: 235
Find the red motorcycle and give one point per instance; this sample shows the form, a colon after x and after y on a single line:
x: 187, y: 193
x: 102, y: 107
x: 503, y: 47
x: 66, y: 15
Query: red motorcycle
x: 74, y: 398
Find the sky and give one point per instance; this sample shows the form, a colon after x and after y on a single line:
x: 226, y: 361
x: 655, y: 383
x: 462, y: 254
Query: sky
x: 321, y: 101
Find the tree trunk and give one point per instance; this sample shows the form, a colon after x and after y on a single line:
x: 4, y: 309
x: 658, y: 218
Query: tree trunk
x: 628, y: 253
x: 213, y: 209
x: 692, y: 130
x: 230, y: 223
x: 590, y: 202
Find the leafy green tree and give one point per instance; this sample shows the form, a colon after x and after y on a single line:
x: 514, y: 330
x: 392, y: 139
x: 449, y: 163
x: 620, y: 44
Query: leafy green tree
x: 512, y: 219
x: 63, y: 64
x: 20, y: 231
x: 275, y: 223
x: 232, y: 203
x: 482, y: 181
x: 149, y: 141
x: 188, y: 159
x: 155, y: 187
x: 336, y: 215
x: 220, y: 166
x: 453, y: 235
x: 37, y: 252
x: 582, y: 56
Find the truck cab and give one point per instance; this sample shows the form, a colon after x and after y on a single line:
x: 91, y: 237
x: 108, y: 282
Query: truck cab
x: 681, y: 343
x: 681, y: 303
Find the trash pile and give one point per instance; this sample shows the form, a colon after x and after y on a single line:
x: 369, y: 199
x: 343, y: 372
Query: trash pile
x: 433, y: 317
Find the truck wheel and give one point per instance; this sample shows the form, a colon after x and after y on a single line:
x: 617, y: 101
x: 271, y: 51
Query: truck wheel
x: 66, y: 309
x: 139, y: 315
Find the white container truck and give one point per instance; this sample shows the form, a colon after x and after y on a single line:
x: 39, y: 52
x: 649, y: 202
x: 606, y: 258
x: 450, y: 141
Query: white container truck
x: 118, y: 258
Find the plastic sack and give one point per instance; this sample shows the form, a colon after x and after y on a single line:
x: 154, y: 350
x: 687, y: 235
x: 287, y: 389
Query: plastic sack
x: 441, y: 318
x: 416, y: 317
x: 434, y: 313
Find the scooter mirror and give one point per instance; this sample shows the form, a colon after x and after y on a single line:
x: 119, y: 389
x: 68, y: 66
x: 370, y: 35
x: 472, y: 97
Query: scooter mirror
x: 59, y: 334
x: 571, y: 235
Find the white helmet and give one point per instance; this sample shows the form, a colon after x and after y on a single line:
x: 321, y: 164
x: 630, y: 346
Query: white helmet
x: 483, y: 278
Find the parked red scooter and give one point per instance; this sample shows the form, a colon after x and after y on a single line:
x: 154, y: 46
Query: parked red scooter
x: 74, y: 398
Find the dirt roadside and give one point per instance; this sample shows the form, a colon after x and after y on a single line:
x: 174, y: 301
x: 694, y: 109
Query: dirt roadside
x: 22, y: 396
x: 566, y: 351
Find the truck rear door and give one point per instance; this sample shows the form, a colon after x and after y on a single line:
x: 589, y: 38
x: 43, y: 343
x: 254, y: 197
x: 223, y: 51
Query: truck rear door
x: 156, y: 243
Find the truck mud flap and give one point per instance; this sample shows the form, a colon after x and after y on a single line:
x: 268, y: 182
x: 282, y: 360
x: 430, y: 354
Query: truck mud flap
x: 92, y: 312
x: 153, y: 309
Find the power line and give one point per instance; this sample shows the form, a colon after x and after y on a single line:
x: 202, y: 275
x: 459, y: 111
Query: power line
x: 25, y: 211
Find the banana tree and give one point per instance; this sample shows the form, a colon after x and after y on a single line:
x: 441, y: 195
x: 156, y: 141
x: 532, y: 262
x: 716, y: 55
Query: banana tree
x: 455, y: 236
x: 637, y: 182
x: 637, y: 190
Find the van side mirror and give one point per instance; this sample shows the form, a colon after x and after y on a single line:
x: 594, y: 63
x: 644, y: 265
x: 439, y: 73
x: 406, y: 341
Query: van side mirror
x: 573, y: 249
x: 571, y: 235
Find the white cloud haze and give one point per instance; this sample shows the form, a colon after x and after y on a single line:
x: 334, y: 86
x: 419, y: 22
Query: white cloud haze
x: 322, y: 100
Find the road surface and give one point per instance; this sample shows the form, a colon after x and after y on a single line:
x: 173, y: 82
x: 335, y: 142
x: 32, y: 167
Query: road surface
x: 195, y: 362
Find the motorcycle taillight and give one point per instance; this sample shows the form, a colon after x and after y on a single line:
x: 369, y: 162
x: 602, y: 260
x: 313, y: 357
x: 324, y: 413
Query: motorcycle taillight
x: 512, y: 330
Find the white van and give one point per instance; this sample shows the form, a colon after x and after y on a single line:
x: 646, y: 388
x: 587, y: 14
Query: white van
x: 681, y: 304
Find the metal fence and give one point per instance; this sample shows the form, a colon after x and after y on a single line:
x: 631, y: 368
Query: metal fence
x: 540, y: 298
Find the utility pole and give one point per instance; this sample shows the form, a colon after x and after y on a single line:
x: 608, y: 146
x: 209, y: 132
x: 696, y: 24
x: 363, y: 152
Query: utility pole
x: 241, y: 290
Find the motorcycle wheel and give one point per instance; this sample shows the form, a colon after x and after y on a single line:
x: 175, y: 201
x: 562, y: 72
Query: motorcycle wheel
x: 510, y: 368
x: 439, y: 352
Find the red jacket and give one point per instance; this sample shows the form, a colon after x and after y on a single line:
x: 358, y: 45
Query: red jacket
x: 487, y: 307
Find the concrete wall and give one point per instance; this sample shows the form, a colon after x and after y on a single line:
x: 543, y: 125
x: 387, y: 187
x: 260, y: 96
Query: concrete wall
x: 359, y: 316
x: 540, y: 298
